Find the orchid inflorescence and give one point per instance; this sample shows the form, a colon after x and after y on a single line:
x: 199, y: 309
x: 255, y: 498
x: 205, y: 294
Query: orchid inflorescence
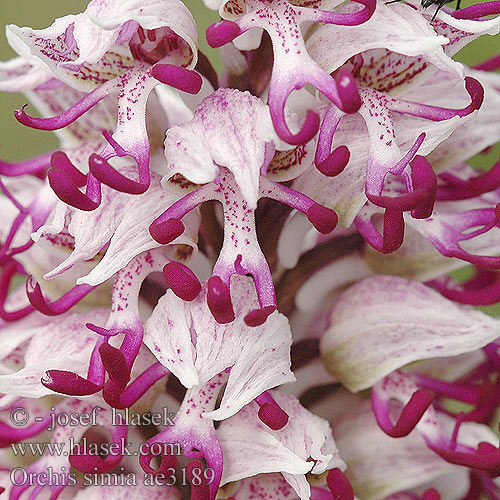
x: 266, y: 248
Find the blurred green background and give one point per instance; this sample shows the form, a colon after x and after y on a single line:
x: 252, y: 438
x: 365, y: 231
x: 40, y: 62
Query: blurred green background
x: 18, y: 142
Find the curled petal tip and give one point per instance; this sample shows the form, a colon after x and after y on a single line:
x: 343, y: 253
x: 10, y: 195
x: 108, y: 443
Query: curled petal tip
x: 180, y: 78
x: 348, y: 92
x: 309, y: 130
x: 339, y: 485
x: 218, y: 34
x: 258, y: 317
x: 497, y: 212
x: 413, y: 411
x: 60, y: 161
x: 273, y: 416
x: 101, y: 331
x: 93, y: 464
x: 323, y: 219
x: 69, y: 383
x: 219, y: 300
x: 476, y: 92
x: 21, y: 115
x: 182, y: 281
x: 115, y: 364
x: 167, y: 461
x: 167, y: 231
x: 431, y: 494
x: 66, y: 190
x: 103, y: 171
x: 335, y: 163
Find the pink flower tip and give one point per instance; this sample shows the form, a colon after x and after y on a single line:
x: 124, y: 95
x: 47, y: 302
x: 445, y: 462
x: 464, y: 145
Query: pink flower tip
x: 182, y: 281
x: 115, y: 364
x: 167, y: 461
x: 180, y: 78
x: 167, y: 231
x: 93, y: 464
x: 339, y: 485
x: 335, y: 162
x: 21, y: 116
x: 258, y: 317
x: 69, y: 383
x: 431, y: 494
x: 218, y: 34
x: 476, y: 92
x: 323, y: 219
x: 273, y: 416
x: 219, y: 300
x: 497, y: 212
x: 348, y: 92
x: 66, y: 190
x: 103, y: 171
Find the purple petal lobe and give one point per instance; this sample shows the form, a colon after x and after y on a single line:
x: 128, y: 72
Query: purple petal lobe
x: 348, y: 92
x: 335, y: 163
x: 273, y: 416
x: 69, y: 383
x: 258, y: 317
x: 167, y: 231
x: 410, y: 416
x: 68, y: 192
x: 323, y: 219
x: 109, y: 176
x: 339, y: 485
x: 182, y: 281
x: 61, y: 161
x: 115, y: 364
x: 219, y: 300
x: 178, y: 77
x: 220, y: 33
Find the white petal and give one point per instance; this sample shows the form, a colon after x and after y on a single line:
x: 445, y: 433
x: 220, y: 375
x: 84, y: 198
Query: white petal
x: 386, y: 322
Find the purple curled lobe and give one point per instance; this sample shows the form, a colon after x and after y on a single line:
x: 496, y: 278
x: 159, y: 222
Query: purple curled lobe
x: 180, y: 78
x: 477, y: 11
x: 270, y: 412
x: 422, y: 195
x: 69, y: 383
x: 59, y: 306
x: 410, y: 416
x: 10, y: 269
x: 222, y: 32
x: 293, y: 68
x: 453, y: 188
x: 339, y: 485
x: 182, y: 281
x: 219, y: 300
x: 151, y: 49
x: 483, y: 289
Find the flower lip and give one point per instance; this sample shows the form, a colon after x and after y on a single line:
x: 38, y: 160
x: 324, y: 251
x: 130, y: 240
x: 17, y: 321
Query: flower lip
x: 335, y: 162
x: 182, y: 281
x: 166, y: 231
x: 178, y: 77
x: 103, y: 171
x: 69, y: 383
x: 219, y: 300
x: 339, y: 485
x: 222, y: 32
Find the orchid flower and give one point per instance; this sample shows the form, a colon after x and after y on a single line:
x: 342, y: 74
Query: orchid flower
x: 125, y: 49
x: 294, y: 358
x: 281, y: 19
x: 236, y: 169
x: 283, y: 451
